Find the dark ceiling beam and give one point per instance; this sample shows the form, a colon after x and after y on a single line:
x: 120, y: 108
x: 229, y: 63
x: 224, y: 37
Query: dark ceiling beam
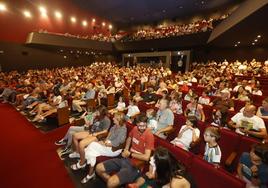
x: 244, y: 10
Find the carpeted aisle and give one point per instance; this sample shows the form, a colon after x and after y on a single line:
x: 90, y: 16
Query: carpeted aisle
x: 28, y: 157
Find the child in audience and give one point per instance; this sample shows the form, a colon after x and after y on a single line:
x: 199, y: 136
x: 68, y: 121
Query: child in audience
x: 212, y: 150
x: 175, y: 103
x: 121, y: 105
x: 188, y: 134
x: 133, y: 110
x: 262, y: 111
x: 217, y: 118
x: 137, y: 97
x: 204, y: 99
x: 253, y: 167
x: 195, y: 109
x: 151, y: 121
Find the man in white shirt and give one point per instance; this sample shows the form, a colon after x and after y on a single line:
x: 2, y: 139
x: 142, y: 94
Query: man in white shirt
x: 247, y: 123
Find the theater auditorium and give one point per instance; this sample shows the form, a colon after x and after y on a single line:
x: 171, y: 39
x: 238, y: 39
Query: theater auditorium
x: 134, y: 94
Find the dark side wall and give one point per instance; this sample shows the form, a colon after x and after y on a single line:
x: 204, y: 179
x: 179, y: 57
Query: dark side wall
x: 230, y: 54
x: 20, y: 57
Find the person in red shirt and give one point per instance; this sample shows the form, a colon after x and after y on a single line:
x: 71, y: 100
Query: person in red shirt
x: 138, y: 149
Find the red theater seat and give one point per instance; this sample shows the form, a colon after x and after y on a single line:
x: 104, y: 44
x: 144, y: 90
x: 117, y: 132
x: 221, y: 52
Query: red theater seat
x: 183, y: 156
x: 206, y: 175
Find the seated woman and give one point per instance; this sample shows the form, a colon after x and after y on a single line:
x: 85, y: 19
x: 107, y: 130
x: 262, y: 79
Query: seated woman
x: 132, y: 110
x: 257, y: 91
x: 253, y: 167
x: 121, y: 106
x: 262, y: 111
x: 188, y: 134
x: 189, y: 95
x: 110, y: 147
x: 137, y: 97
x: 151, y: 121
x: 175, y: 104
x: 204, y: 98
x: 96, y: 123
x: 164, y: 171
x: 195, y: 109
x: 46, y: 109
x: 164, y: 95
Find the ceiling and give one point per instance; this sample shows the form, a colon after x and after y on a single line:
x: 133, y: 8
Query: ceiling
x: 246, y: 32
x: 130, y: 12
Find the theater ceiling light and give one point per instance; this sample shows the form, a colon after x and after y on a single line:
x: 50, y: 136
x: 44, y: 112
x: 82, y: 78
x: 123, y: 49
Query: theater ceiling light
x: 3, y: 7
x: 93, y: 20
x: 58, y: 15
x: 110, y: 26
x: 103, y: 23
x: 27, y: 14
x: 84, y: 23
x: 259, y: 36
x: 43, y: 11
x: 238, y: 42
x: 73, y: 19
x: 256, y: 40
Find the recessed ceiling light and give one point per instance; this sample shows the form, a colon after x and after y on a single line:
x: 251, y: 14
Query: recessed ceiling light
x: 84, y: 23
x: 238, y: 42
x: 58, y: 15
x: 253, y: 43
x: 256, y: 40
x: 235, y: 45
x: 27, y: 14
x: 259, y: 36
x: 3, y: 7
x: 73, y: 19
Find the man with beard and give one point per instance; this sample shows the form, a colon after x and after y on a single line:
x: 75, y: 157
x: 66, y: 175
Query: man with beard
x: 138, y: 149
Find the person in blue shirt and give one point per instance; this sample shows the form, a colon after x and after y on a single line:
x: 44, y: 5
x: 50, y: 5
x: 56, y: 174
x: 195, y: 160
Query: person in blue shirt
x: 253, y: 167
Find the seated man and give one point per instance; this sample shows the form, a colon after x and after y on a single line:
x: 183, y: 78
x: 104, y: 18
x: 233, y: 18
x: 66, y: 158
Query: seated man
x: 90, y: 94
x: 164, y: 118
x: 247, y: 123
x: 149, y: 96
x: 139, y: 146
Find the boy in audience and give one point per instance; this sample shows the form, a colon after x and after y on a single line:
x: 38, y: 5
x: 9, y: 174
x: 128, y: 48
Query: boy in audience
x: 138, y: 149
x: 212, y: 150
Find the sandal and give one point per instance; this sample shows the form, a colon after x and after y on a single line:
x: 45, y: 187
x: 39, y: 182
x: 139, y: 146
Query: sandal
x: 77, y: 166
x: 87, y: 178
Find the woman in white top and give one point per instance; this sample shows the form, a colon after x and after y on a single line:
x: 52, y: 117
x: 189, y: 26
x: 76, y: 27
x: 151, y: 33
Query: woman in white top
x: 188, y: 134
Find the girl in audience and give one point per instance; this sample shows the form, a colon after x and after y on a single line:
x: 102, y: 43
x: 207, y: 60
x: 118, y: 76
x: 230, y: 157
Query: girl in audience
x: 189, y: 95
x: 262, y: 111
x: 121, y: 106
x: 257, y: 91
x: 110, y: 147
x: 164, y: 171
x: 132, y: 110
x: 151, y: 121
x: 253, y: 167
x: 195, y: 109
x: 175, y: 103
x: 204, y: 98
x: 96, y: 123
x: 188, y: 134
x: 137, y: 97
x: 212, y: 150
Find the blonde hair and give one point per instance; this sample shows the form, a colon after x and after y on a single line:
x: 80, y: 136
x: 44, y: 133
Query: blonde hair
x: 214, y: 131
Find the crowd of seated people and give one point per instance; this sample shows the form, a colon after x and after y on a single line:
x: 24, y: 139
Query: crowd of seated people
x: 96, y: 36
x: 170, y: 31
x: 163, y: 97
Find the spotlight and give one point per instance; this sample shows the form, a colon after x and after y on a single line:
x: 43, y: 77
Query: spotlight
x: 103, y: 23
x: 3, y: 7
x: 93, y: 20
x: 73, y: 19
x: 110, y: 26
x: 256, y: 40
x: 43, y: 11
x: 84, y: 23
x: 259, y: 36
x: 27, y: 14
x: 235, y: 45
x: 238, y: 42
x: 58, y: 15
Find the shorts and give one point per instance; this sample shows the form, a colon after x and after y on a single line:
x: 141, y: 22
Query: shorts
x: 125, y: 171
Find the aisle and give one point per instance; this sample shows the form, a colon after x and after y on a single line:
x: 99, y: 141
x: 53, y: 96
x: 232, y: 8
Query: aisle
x: 28, y: 157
